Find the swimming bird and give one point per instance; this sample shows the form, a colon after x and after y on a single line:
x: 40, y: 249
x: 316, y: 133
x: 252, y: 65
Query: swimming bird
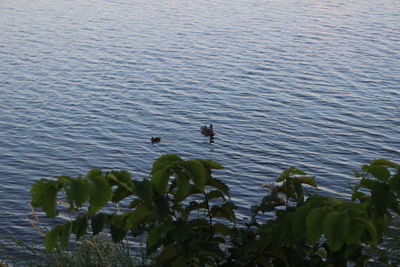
x: 155, y: 140
x: 208, y: 131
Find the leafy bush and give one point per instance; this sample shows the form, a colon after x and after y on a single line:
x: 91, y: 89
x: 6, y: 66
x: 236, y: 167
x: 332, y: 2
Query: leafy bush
x: 187, y: 218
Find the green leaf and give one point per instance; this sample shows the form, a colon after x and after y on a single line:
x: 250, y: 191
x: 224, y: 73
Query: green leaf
x: 210, y: 164
x: 156, y: 233
x: 359, y: 195
x: 291, y: 171
x: 98, y: 221
x: 369, y: 226
x: 215, y: 194
x: 77, y: 191
x: 299, y: 226
x: 183, y: 185
x: 100, y: 194
x: 309, y: 180
x: 93, y: 173
x: 379, y: 172
x: 134, y: 203
x: 159, y: 180
x: 218, y: 185
x: 336, y: 226
x: 223, y: 212
x: 354, y: 232
x: 80, y: 226
x: 394, y: 183
x: 165, y: 161
x: 122, y: 176
x: 65, y: 232
x: 167, y: 253
x: 120, y: 193
x: 44, y: 194
x: 141, y: 215
x: 117, y: 233
x: 197, y: 172
x: 368, y: 183
x: 144, y: 190
x: 384, y: 162
x: 315, y: 223
x: 180, y: 262
x: 118, y: 227
x: 162, y: 209
x: 50, y: 240
x: 221, y: 229
x: 124, y: 182
x: 382, y: 197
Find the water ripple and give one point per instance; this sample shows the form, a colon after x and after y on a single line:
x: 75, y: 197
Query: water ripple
x: 86, y: 84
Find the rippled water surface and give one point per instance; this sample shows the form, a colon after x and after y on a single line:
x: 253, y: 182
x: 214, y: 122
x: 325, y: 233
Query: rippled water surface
x: 85, y: 84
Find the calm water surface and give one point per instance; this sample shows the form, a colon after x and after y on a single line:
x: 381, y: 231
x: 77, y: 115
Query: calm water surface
x: 85, y: 84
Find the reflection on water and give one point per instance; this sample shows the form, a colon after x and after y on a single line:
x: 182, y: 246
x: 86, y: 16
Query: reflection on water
x: 86, y: 84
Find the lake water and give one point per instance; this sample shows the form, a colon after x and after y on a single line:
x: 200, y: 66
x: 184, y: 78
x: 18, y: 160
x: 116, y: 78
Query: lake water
x: 85, y: 84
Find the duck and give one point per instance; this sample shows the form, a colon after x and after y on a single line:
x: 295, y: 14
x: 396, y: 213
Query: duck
x: 155, y: 140
x: 208, y: 131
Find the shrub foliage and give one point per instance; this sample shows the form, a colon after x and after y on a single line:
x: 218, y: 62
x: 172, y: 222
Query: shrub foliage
x: 187, y: 218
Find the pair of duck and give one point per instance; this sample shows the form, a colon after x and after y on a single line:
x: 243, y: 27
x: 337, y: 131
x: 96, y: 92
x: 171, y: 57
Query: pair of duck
x: 206, y: 131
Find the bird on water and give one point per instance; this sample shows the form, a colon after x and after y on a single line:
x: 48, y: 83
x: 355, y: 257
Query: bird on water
x: 155, y: 140
x: 208, y: 131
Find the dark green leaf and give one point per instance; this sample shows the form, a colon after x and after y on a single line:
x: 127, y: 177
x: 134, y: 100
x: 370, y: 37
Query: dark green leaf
x: 180, y: 262
x: 50, y: 240
x: 215, y: 194
x: 117, y: 233
x: 141, y: 215
x: 369, y: 226
x: 382, y: 197
x: 167, y: 253
x: 307, y: 180
x: 218, y: 185
x: 315, y: 223
x: 80, y: 226
x: 65, y: 232
x: 44, y: 193
x: 98, y: 222
x: 368, y: 183
x: 197, y: 172
x: 290, y: 172
x: 134, y: 203
x: 122, y: 176
x: 156, y: 233
x: 162, y: 209
x: 379, y: 172
x: 93, y: 173
x: 118, y: 226
x: 221, y: 229
x: 384, y: 162
x: 183, y: 187
x: 144, y: 191
x: 354, y: 232
x: 299, y: 226
x: 394, y: 183
x: 210, y: 164
x: 223, y: 212
x: 77, y: 191
x: 100, y: 194
x: 159, y: 180
x: 165, y: 161
x: 120, y: 193
x: 336, y: 227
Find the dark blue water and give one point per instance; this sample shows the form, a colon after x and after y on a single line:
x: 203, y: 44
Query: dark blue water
x: 85, y: 84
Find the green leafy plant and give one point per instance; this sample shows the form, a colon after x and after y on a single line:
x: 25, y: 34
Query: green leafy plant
x: 187, y: 218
